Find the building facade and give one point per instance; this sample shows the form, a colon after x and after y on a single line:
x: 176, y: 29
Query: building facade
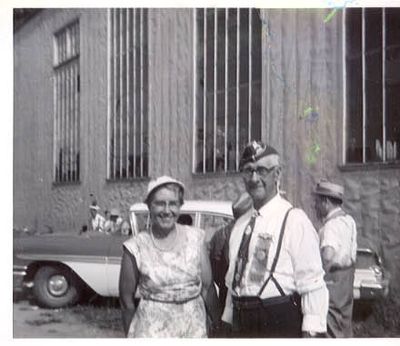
x: 104, y: 99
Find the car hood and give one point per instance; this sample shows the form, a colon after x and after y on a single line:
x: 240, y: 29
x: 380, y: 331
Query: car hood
x: 60, y: 244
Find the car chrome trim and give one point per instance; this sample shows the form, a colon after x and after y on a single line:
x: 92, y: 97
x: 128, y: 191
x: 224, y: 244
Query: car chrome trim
x: 114, y: 260
x: 19, y: 273
x: 65, y: 258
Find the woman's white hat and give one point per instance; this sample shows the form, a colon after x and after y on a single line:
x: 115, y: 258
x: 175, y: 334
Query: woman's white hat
x: 155, y: 184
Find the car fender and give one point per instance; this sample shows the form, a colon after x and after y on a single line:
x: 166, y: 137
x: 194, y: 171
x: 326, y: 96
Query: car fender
x: 90, y: 269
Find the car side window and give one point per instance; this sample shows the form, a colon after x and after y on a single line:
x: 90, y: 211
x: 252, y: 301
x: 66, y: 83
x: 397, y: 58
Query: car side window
x: 142, y: 219
x: 211, y: 223
x: 187, y: 219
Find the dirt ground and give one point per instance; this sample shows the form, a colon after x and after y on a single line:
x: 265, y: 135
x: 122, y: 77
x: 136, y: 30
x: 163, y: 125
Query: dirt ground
x: 101, y: 318
x: 85, y: 321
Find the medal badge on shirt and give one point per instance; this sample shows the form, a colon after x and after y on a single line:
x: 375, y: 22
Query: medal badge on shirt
x: 260, y: 261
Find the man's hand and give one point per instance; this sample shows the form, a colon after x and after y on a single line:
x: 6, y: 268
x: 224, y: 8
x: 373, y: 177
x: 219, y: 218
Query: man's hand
x: 220, y: 329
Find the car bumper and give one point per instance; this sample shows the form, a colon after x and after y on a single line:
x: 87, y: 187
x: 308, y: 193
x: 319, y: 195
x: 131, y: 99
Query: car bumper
x: 372, y: 290
x: 19, y: 274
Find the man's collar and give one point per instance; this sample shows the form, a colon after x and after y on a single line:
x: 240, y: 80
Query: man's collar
x: 333, y: 211
x: 270, y: 204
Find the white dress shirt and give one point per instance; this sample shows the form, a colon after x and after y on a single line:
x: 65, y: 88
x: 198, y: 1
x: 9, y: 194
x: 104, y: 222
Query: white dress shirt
x: 299, y: 268
x: 340, y: 233
x: 98, y: 223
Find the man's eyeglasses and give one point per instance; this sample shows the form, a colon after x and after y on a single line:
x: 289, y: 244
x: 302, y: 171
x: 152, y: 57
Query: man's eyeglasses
x: 261, y: 171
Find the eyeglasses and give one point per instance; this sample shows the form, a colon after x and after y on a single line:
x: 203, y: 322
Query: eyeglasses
x: 164, y: 204
x: 261, y: 171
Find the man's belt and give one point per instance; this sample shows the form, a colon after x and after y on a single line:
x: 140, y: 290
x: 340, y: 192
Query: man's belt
x: 253, y: 302
x: 340, y: 268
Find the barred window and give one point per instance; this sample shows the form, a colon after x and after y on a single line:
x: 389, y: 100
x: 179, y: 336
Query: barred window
x: 227, y: 86
x: 127, y: 94
x: 66, y: 104
x: 372, y: 85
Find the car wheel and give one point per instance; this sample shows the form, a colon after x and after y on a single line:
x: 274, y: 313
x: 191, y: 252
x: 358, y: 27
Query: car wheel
x: 55, y: 287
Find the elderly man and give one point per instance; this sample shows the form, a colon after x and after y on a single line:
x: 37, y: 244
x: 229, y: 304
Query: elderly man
x: 338, y: 243
x: 275, y: 276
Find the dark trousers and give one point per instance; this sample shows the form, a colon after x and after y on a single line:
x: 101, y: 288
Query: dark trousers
x: 278, y: 317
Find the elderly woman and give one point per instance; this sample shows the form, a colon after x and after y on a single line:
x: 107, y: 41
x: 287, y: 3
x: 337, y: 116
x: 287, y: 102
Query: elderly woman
x: 169, y: 265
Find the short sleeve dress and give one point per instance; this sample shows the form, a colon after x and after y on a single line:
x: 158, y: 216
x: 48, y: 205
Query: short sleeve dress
x: 169, y: 286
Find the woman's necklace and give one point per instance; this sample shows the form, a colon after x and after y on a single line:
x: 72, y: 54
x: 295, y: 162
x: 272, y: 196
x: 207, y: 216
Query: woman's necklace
x: 169, y: 247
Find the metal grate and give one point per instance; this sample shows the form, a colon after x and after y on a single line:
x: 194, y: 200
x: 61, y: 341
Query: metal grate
x: 227, y: 86
x: 127, y: 93
x: 66, y: 104
x: 372, y: 77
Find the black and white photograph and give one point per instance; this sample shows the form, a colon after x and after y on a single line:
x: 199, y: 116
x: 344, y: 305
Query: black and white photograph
x: 207, y: 171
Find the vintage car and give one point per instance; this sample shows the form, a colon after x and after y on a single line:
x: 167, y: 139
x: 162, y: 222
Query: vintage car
x: 60, y: 268
x: 370, y: 280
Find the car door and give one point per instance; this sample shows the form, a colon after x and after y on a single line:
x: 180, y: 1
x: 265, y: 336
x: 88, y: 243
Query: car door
x: 113, y: 262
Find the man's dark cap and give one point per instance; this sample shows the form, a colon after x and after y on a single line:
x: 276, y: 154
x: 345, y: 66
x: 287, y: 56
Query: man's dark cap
x: 254, y: 151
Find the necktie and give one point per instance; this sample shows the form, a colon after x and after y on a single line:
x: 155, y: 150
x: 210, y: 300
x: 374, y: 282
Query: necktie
x: 243, y: 252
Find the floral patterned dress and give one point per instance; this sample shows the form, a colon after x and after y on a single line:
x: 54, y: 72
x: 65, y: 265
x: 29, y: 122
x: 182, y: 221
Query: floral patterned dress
x: 170, y: 286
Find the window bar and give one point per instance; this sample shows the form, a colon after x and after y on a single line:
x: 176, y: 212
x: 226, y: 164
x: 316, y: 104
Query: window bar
x: 59, y: 124
x: 68, y: 42
x: 55, y: 51
x: 141, y: 91
x: 60, y: 138
x: 250, y: 70
x: 363, y: 85
x: 73, y: 32
x: 73, y: 109
x: 134, y: 87
x: 60, y: 48
x: 76, y: 132
x: 344, y: 77
x: 69, y: 127
x: 65, y: 123
x: 109, y: 88
x: 78, y: 119
x: 226, y: 92
x: 74, y: 121
x: 62, y: 124
x: 205, y: 89
x: 237, y: 85
x: 121, y: 88
x: 195, y: 90
x: 114, y: 115
x: 128, y: 89
x: 55, y: 124
x: 215, y: 89
x: 64, y: 46
x: 66, y: 134
x: 384, y: 156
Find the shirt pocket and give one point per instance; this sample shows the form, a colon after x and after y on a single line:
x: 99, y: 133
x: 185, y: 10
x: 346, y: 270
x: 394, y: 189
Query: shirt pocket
x: 260, y: 257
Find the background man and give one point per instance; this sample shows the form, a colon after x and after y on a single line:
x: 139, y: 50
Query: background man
x: 114, y: 224
x: 96, y: 219
x: 299, y: 268
x: 219, y: 246
x: 338, y: 243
